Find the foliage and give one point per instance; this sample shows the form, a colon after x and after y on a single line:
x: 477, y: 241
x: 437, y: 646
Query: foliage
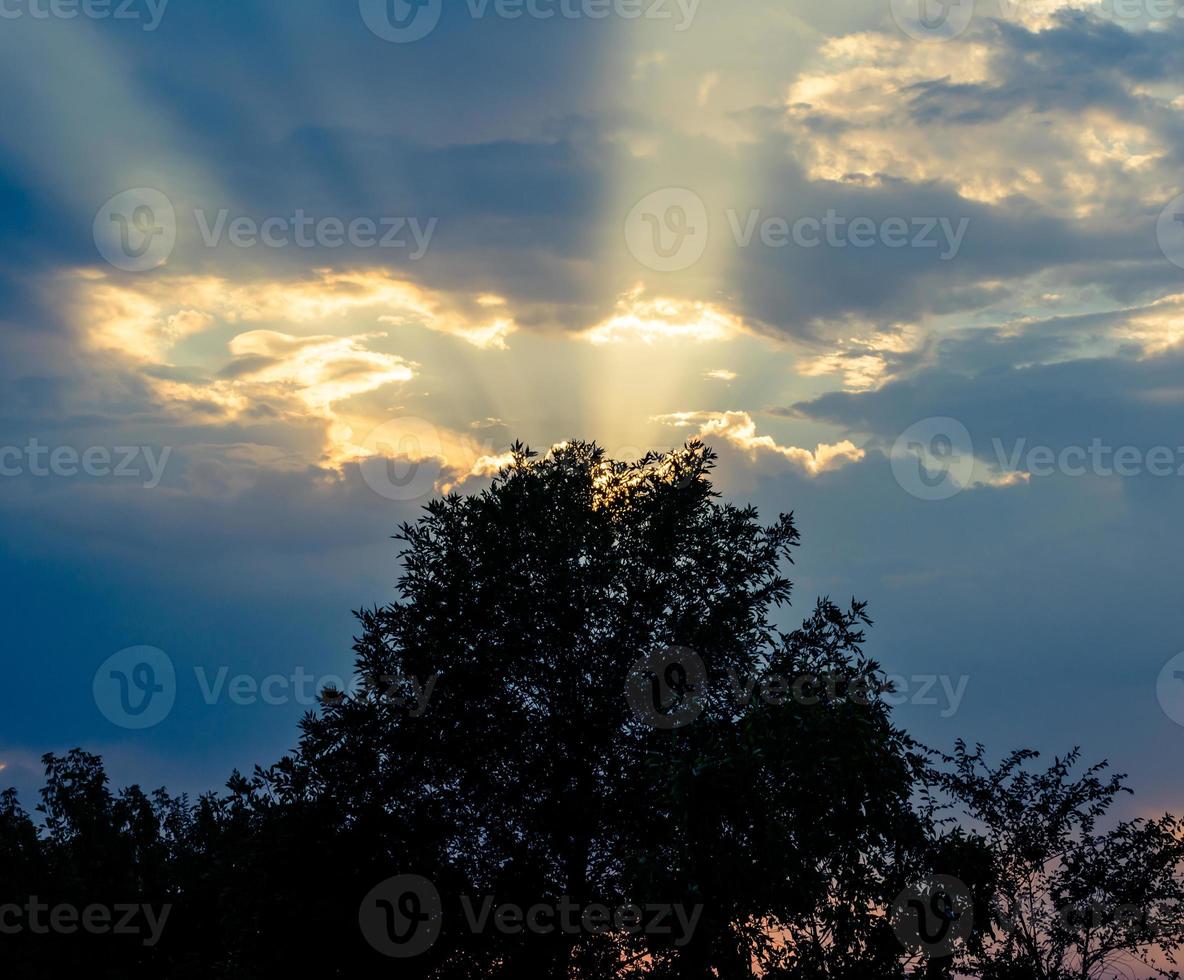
x: 491, y: 748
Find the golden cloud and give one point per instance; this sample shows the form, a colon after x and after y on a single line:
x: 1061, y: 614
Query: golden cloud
x: 739, y: 429
x: 1076, y: 163
x: 638, y: 318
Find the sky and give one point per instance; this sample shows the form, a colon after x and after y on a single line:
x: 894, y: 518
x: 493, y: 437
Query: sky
x: 273, y: 274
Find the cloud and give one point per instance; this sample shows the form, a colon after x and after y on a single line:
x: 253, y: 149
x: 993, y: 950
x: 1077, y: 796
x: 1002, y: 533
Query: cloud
x: 324, y: 370
x: 739, y: 429
x: 146, y: 318
x: 1057, y: 111
x: 662, y: 318
x: 868, y: 360
x: 1116, y: 401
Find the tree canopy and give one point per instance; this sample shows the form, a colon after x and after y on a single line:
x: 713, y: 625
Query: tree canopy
x: 583, y: 745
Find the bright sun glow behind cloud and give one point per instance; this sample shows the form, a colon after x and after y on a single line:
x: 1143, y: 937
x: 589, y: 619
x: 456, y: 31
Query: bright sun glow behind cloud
x: 650, y: 319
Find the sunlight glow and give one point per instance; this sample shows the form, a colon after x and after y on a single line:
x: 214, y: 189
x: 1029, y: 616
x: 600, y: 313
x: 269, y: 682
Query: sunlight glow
x: 637, y: 318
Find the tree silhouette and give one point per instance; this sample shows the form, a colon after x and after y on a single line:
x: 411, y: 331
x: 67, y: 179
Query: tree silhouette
x: 1071, y: 900
x: 582, y: 746
x: 530, y: 778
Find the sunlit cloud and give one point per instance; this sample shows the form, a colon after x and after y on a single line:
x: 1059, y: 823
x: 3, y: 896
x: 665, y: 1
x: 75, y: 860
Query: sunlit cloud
x: 323, y: 369
x: 875, y: 108
x: 457, y: 458
x: 637, y: 317
x: 482, y: 468
x: 144, y: 320
x: 1156, y: 327
x: 864, y: 361
x: 739, y: 429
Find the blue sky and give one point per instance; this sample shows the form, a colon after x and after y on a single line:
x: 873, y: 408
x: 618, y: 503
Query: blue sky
x: 915, y: 272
